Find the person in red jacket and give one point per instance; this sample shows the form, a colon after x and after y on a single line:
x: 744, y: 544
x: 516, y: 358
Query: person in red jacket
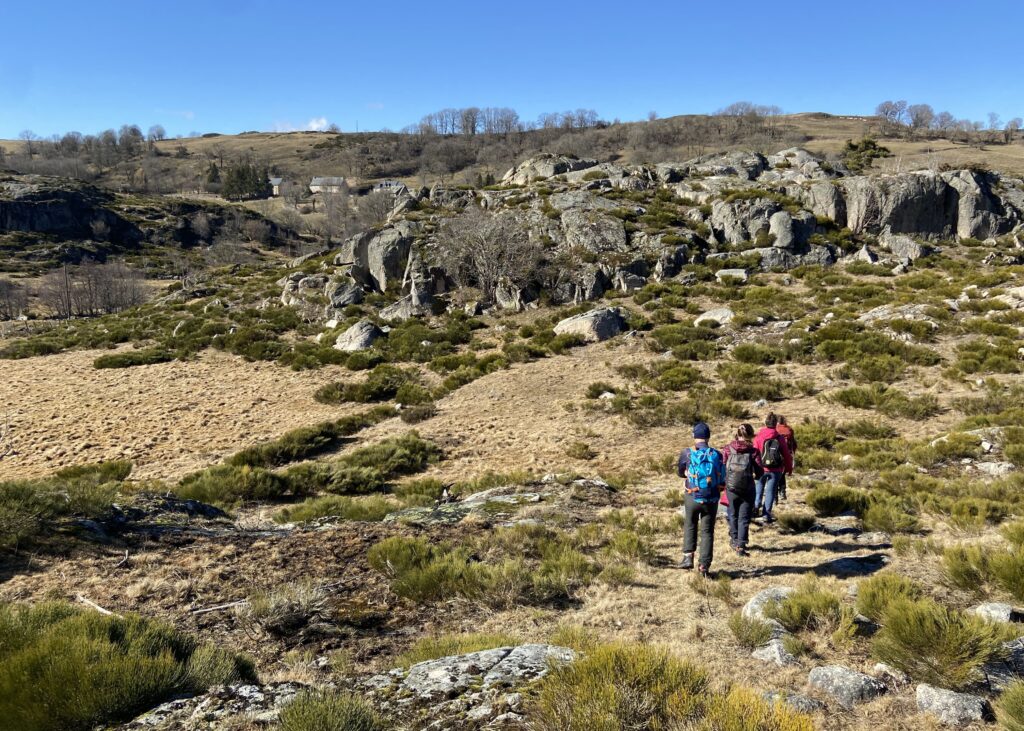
x: 742, y: 470
x: 777, y: 461
x: 790, y: 436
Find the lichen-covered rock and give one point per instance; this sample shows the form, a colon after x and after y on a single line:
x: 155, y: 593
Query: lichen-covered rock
x: 951, y: 708
x: 544, y: 166
x: 594, y: 326
x: 222, y: 707
x: 360, y: 336
x: 994, y: 611
x: 999, y: 674
x: 719, y: 315
x: 774, y: 652
x: 847, y: 686
x: 593, y: 231
x: 798, y: 702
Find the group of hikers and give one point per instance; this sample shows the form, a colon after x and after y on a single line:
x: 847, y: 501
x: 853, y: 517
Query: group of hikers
x: 748, y: 476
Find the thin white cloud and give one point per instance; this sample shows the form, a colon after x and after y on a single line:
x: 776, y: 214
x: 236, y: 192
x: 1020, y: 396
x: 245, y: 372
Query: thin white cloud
x: 317, y: 124
x: 376, y: 106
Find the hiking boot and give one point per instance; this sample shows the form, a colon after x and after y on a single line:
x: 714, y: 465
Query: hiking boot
x: 687, y: 562
x: 705, y: 571
x: 768, y: 520
x: 740, y: 550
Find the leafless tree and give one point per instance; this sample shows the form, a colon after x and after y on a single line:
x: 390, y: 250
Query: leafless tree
x: 1009, y: 131
x: 480, y: 249
x: 336, y: 214
x: 201, y: 227
x: 375, y: 207
x: 921, y: 116
x: 156, y: 132
x: 893, y: 112
x: 294, y: 192
x: 91, y: 289
x: 100, y: 229
x: 13, y: 300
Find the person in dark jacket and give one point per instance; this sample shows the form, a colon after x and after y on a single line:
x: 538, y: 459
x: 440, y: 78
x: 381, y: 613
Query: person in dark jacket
x: 703, y: 469
x: 770, y: 440
x: 790, y: 436
x: 742, y: 470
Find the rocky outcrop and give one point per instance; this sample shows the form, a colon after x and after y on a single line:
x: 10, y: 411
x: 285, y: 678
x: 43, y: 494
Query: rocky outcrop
x: 378, y: 259
x: 360, y: 336
x: 543, y: 166
x: 949, y: 707
x: 219, y: 709
x: 741, y: 164
x: 594, y: 326
x: 846, y: 686
x: 593, y: 231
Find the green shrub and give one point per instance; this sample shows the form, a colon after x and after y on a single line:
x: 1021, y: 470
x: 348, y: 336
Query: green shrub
x: 750, y: 633
x: 832, y: 500
x: 418, y: 413
x: 147, y: 356
x: 595, y: 389
x: 90, y: 670
x: 431, y: 648
x: 864, y: 429
x: 757, y: 354
x: 889, y: 516
x: 382, y: 384
x: 890, y: 402
x: 229, y: 485
x: 580, y: 450
x: 1010, y: 707
x: 817, y: 434
x: 796, y: 522
x: 624, y: 686
x: 329, y: 710
x: 936, y: 645
x: 880, y: 368
x: 875, y: 594
x: 809, y: 607
x: 372, y: 508
x: 369, y: 468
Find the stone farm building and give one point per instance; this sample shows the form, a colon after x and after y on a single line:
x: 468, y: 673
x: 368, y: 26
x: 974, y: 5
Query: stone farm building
x: 275, y: 186
x: 328, y: 185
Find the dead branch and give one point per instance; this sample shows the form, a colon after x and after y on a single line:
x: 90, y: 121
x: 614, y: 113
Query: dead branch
x: 220, y: 607
x: 97, y: 607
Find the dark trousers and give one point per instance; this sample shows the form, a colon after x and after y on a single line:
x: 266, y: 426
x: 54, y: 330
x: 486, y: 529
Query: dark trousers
x: 699, y: 517
x: 741, y: 505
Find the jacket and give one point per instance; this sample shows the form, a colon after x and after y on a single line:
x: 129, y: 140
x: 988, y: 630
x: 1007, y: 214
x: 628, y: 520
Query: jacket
x: 787, y: 456
x: 787, y: 431
x: 738, y: 447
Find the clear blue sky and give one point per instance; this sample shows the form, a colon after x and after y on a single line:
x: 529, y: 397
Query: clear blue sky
x: 229, y: 66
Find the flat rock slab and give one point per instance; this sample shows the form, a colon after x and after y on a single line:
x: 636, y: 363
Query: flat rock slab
x: 594, y: 326
x: 796, y: 701
x: 219, y: 708
x: 774, y: 652
x: 847, y: 686
x: 995, y: 611
x: 951, y: 708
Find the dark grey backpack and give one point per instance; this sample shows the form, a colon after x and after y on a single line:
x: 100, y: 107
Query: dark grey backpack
x: 739, y: 471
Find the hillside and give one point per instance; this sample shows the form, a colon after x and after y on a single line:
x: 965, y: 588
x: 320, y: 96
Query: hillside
x: 433, y: 464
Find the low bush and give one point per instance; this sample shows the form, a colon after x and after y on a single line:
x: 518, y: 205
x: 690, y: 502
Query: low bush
x: 831, y: 500
x: 62, y: 667
x: 595, y: 389
x: 817, y: 434
x: 809, y: 607
x: 626, y: 686
x: 888, y: 401
x: 935, y: 644
x: 368, y: 469
x: 382, y: 383
x: 418, y: 413
x: 285, y: 609
x: 370, y: 508
x: 147, y: 356
x: 875, y: 594
x: 1010, y: 707
x: 750, y: 633
x: 580, y: 450
x: 757, y: 354
x: 329, y: 710
x: 431, y: 648
x: 889, y: 515
x: 796, y: 522
x: 229, y: 485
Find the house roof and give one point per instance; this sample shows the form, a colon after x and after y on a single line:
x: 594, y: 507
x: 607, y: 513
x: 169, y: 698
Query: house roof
x: 276, y: 181
x: 327, y: 181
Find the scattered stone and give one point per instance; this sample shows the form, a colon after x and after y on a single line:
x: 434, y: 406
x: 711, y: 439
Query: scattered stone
x: 847, y: 686
x: 597, y: 325
x: 360, y: 336
x: 738, y: 274
x: 950, y: 707
x: 890, y: 675
x: 875, y: 539
x: 774, y: 652
x: 719, y: 315
x: 994, y: 611
x: 995, y: 469
x: 798, y: 702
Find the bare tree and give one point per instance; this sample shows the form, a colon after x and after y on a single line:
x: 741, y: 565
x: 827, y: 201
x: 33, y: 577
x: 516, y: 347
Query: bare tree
x: 375, y: 208
x: 336, y: 214
x: 921, y: 116
x: 1011, y: 128
x: 480, y: 249
x: 892, y: 112
x: 13, y: 300
x: 201, y: 227
x: 156, y: 132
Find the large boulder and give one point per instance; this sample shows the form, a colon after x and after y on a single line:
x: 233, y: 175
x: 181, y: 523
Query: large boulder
x: 951, y: 708
x: 719, y: 316
x: 378, y: 258
x: 360, y: 336
x: 593, y: 231
x: 342, y: 293
x: 847, y: 686
x: 738, y: 163
x: 904, y: 247
x: 739, y: 221
x: 593, y: 326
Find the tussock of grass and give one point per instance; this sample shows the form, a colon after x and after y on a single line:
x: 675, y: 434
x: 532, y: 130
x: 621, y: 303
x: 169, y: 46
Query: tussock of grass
x: 228, y: 485
x: 832, y: 500
x: 1010, y: 707
x: 641, y: 687
x: 431, y: 648
x: 285, y: 609
x: 325, y: 710
x: 147, y: 356
x: 796, y: 522
x: 369, y: 508
x: 750, y: 633
x: 875, y: 594
x: 89, y: 670
x: 935, y: 644
x: 809, y: 607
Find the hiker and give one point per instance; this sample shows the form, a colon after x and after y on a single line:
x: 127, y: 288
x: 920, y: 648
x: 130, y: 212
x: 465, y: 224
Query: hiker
x: 742, y: 470
x: 788, y: 434
x: 703, y: 469
x: 777, y: 460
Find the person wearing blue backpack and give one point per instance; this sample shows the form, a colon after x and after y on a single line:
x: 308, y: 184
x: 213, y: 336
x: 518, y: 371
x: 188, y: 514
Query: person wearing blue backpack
x: 704, y: 471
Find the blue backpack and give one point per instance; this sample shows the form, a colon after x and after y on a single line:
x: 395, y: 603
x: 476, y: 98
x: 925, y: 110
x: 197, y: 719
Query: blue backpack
x: 704, y: 474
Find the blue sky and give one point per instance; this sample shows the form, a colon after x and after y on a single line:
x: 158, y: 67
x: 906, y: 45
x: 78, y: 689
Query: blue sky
x: 230, y: 66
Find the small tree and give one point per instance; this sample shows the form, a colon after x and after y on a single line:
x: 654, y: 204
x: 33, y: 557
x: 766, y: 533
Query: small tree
x: 481, y: 249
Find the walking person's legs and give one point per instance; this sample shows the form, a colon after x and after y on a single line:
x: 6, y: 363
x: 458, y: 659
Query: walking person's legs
x: 730, y: 519
x: 759, y: 493
x: 742, y: 508
x: 690, y: 518
x: 771, y: 482
x: 708, y: 513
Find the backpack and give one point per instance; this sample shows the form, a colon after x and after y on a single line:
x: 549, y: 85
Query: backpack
x: 771, y: 453
x: 739, y: 471
x: 702, y: 475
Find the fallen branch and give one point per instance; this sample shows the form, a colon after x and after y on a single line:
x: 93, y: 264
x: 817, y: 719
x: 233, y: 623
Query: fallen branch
x: 97, y: 607
x: 123, y: 561
x: 220, y: 607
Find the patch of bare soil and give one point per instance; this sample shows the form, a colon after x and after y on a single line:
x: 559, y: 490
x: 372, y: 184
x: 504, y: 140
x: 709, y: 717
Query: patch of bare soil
x: 168, y: 419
